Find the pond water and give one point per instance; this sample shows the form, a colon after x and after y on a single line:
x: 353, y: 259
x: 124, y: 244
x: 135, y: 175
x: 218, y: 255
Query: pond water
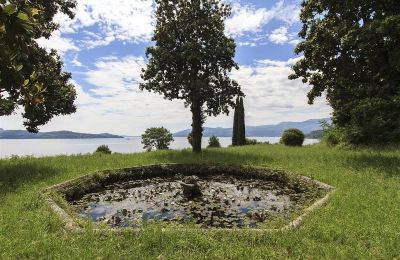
x: 49, y: 147
x: 225, y: 202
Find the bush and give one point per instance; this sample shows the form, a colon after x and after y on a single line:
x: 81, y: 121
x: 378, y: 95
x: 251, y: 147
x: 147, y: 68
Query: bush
x: 157, y: 137
x: 332, y: 135
x: 213, y: 142
x: 292, y: 137
x: 249, y: 141
x: 103, y: 149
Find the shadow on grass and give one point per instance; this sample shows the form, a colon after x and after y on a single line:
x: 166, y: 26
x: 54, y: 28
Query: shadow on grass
x: 14, y: 174
x: 388, y: 165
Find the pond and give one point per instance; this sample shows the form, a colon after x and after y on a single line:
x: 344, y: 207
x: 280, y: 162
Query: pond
x: 225, y: 202
x: 206, y: 196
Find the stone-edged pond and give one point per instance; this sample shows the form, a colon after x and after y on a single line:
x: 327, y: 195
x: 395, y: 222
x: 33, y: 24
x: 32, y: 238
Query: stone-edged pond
x: 203, y: 196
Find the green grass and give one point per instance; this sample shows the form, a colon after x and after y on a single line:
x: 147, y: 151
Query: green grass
x: 361, y: 220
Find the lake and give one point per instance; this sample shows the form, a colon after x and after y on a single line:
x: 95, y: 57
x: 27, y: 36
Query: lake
x: 49, y: 147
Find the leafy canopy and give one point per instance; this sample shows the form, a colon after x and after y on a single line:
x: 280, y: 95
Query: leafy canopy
x: 351, y: 53
x: 213, y: 142
x: 157, y: 137
x: 292, y: 137
x: 30, y: 77
x: 192, y: 58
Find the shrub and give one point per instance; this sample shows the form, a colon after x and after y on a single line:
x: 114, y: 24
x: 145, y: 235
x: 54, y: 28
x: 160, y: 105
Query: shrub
x: 157, y: 137
x: 103, y: 149
x: 251, y: 141
x: 213, y: 142
x: 332, y: 135
x: 292, y: 137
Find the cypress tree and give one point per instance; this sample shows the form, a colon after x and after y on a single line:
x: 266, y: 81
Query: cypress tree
x: 235, y: 124
x: 241, y: 132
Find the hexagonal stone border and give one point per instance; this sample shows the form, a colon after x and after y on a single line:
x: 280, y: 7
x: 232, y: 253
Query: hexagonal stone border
x: 77, y: 187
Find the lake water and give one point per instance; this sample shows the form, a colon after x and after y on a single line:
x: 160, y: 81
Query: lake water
x: 49, y: 147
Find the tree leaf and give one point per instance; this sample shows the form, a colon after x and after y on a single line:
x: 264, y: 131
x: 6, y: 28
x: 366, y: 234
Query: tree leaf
x: 23, y: 16
x: 10, y: 9
x: 19, y: 67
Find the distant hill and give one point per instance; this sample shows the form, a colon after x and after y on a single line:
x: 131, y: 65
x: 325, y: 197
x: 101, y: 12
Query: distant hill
x: 21, y: 134
x: 315, y: 134
x: 261, y: 131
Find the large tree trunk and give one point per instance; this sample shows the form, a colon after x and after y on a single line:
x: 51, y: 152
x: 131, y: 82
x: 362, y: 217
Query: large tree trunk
x: 197, y: 126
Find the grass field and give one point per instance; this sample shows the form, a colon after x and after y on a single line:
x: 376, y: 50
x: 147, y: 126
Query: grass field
x: 361, y: 220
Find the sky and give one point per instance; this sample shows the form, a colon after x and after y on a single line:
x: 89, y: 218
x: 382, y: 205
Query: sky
x: 104, y: 49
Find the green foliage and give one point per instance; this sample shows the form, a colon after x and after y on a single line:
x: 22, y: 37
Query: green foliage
x: 213, y: 142
x: 103, y: 149
x: 317, y: 134
x: 235, y: 124
x: 157, y: 137
x: 254, y: 142
x: 332, y: 135
x: 192, y: 58
x: 30, y: 77
x: 292, y: 137
x: 351, y: 53
x: 241, y: 124
x: 239, y: 128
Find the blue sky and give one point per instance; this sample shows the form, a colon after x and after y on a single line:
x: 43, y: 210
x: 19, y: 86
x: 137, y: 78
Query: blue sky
x: 104, y: 46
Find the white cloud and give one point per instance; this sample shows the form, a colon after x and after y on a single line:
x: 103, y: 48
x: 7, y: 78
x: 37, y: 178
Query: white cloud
x: 271, y: 97
x: 61, y: 44
x: 249, y: 19
x: 281, y: 35
x: 75, y: 61
x: 123, y: 20
x: 113, y: 76
x: 114, y: 103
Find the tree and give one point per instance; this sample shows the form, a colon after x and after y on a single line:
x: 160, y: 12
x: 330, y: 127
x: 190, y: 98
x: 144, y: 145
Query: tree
x: 213, y: 142
x: 292, y: 137
x: 241, y: 124
x: 191, y: 59
x: 103, y: 149
x: 351, y: 53
x: 157, y: 137
x: 30, y: 77
x: 239, y: 128
x: 235, y: 124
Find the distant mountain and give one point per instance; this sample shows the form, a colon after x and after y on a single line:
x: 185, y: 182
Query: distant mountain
x: 261, y: 131
x: 22, y: 134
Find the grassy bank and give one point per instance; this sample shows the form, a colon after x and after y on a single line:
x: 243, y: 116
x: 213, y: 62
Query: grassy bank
x: 362, y: 219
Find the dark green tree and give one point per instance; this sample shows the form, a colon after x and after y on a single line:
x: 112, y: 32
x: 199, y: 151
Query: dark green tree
x: 157, y: 137
x: 30, y: 77
x: 235, y: 124
x: 351, y: 53
x: 292, y: 137
x: 241, y: 135
x: 192, y: 58
x: 213, y: 142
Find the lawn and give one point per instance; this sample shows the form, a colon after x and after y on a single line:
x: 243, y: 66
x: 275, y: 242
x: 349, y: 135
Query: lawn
x: 361, y: 220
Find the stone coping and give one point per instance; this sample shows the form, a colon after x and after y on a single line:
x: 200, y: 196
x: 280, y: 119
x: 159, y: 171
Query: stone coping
x: 70, y: 225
